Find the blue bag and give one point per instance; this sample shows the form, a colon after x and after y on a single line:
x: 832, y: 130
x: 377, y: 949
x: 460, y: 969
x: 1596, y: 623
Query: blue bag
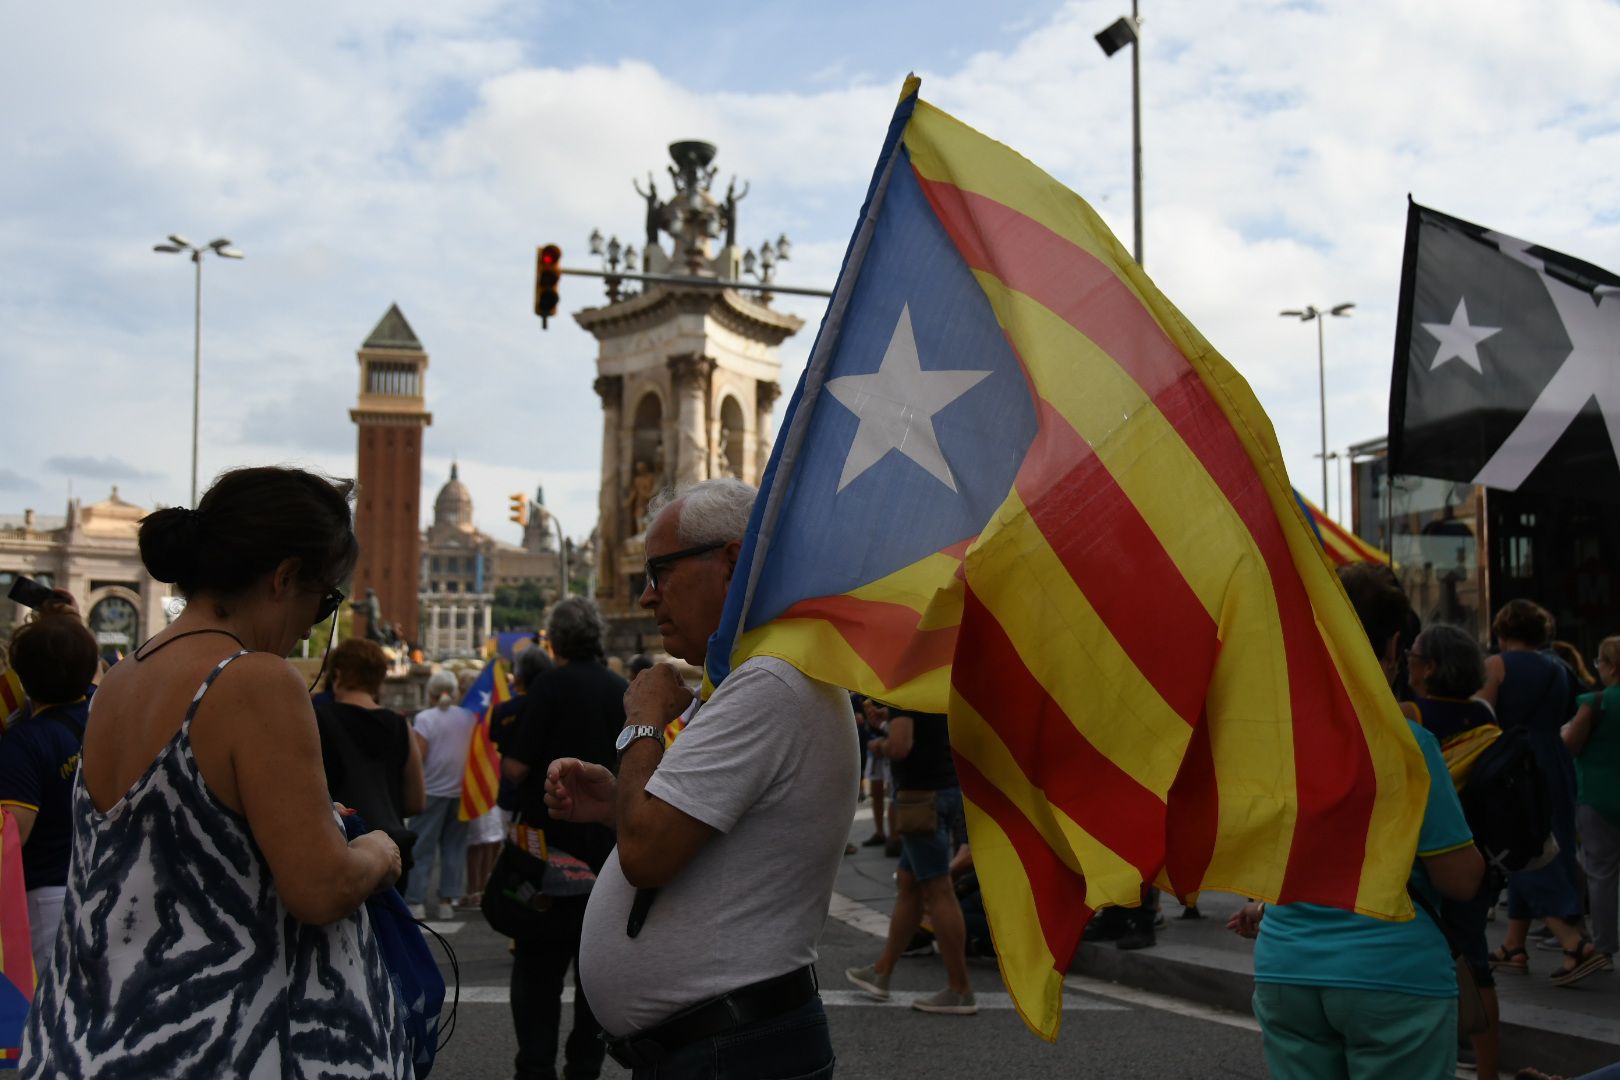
x: 418, y: 985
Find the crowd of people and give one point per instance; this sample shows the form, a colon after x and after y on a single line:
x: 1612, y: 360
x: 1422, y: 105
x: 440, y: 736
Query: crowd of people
x: 197, y: 907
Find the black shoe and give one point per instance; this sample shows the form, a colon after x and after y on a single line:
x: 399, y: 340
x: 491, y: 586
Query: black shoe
x: 1106, y: 925
x: 877, y: 839
x: 1191, y: 912
x: 1136, y: 939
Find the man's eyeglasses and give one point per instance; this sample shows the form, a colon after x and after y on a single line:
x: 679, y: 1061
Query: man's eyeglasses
x: 661, y: 562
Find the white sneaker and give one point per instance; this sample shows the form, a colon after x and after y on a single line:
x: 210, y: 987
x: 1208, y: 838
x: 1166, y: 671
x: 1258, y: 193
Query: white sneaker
x: 949, y: 1002
x: 867, y: 978
x: 446, y: 912
x: 418, y: 911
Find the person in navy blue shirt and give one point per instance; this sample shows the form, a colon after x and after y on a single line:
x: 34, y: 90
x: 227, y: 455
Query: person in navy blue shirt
x: 55, y: 656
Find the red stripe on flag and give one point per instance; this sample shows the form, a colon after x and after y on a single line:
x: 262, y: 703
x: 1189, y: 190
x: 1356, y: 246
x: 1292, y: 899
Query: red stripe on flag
x: 1118, y: 562
x: 1059, y: 893
x: 884, y: 635
x: 1074, y: 775
x: 1194, y: 813
x: 1333, y: 767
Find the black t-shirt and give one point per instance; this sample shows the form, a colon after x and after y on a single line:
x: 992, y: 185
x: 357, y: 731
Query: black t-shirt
x: 575, y: 711
x: 365, y: 751
x: 929, y: 766
x: 38, y: 758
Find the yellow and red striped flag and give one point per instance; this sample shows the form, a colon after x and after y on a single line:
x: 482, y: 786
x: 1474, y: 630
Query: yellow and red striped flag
x: 17, y: 974
x: 1342, y: 546
x: 482, y: 780
x: 12, y: 694
x: 1015, y: 485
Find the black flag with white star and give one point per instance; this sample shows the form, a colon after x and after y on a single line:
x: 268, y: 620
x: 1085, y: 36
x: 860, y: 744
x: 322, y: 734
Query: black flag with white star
x: 1507, y: 363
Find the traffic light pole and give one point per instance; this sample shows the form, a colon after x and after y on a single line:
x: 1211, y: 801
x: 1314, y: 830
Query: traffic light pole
x: 697, y: 282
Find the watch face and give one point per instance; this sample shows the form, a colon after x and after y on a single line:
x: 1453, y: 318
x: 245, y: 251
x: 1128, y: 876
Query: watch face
x: 624, y: 739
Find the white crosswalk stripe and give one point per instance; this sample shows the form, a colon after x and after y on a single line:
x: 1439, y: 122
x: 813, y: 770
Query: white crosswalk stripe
x: 834, y: 999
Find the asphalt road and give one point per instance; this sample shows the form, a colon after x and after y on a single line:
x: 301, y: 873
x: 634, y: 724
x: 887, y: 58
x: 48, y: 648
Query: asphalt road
x: 1107, y: 1030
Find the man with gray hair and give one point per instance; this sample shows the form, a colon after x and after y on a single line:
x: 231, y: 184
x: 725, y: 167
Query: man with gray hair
x: 700, y: 936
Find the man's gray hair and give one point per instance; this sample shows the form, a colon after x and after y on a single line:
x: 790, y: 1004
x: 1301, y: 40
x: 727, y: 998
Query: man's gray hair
x: 576, y: 629
x: 1459, y: 663
x: 442, y: 682
x: 711, y: 510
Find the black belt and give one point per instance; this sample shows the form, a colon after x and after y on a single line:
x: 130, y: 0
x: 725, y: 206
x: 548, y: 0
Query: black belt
x: 759, y: 1001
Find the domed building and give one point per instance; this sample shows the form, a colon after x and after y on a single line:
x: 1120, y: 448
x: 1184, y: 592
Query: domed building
x: 462, y: 568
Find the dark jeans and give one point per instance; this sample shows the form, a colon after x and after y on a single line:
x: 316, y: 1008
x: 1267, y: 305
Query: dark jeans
x: 793, y: 1046
x: 538, y: 968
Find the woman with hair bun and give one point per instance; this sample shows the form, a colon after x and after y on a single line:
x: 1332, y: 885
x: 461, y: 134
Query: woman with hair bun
x: 214, y: 923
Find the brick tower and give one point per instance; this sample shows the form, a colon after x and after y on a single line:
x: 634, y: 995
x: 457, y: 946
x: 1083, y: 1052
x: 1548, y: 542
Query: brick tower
x: 390, y: 415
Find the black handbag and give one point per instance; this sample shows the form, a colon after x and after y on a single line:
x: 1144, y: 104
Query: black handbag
x: 528, y: 876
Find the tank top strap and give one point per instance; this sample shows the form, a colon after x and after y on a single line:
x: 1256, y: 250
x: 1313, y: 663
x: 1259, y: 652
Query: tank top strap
x: 185, y: 725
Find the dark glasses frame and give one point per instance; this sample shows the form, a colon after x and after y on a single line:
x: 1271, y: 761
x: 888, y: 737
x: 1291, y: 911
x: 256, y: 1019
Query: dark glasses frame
x: 664, y: 561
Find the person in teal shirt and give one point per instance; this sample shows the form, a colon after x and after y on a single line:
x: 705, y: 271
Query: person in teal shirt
x: 1593, y: 737
x: 1341, y: 995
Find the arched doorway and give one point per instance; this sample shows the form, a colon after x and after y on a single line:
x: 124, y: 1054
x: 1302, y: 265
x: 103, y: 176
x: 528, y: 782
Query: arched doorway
x: 729, y: 452
x: 116, y: 622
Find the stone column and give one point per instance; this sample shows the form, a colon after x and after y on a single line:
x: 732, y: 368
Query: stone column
x: 489, y: 612
x: 690, y: 377
x: 610, y: 388
x: 765, y: 395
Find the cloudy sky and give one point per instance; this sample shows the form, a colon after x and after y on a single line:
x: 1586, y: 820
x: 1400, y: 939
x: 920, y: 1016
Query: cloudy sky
x: 416, y: 151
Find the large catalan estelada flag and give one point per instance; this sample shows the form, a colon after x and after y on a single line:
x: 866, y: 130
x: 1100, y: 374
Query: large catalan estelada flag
x: 1342, y: 546
x: 482, y: 780
x: 1016, y: 486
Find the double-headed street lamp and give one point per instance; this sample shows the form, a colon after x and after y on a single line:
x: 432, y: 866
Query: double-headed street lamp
x: 177, y: 245
x: 1313, y: 312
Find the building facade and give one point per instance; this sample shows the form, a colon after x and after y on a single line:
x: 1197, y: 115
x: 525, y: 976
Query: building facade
x: 390, y: 415
x: 93, y: 552
x: 461, y: 568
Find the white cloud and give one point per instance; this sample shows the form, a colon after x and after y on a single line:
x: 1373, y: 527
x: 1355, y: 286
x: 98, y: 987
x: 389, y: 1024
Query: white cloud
x: 375, y: 152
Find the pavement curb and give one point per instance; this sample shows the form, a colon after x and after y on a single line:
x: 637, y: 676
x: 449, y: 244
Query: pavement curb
x: 1551, y: 1040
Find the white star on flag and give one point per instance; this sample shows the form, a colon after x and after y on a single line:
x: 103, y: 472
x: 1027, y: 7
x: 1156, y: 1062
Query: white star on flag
x: 1458, y: 340
x: 483, y: 697
x: 896, y: 407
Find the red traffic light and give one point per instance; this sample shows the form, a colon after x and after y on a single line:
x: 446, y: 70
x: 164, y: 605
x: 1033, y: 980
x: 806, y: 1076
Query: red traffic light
x: 547, y: 275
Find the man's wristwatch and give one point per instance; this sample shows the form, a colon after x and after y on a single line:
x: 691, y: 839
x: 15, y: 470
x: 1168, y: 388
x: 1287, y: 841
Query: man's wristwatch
x: 634, y: 732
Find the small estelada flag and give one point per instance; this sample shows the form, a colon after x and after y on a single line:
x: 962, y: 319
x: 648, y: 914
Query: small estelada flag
x: 1507, y: 363
x: 482, y: 780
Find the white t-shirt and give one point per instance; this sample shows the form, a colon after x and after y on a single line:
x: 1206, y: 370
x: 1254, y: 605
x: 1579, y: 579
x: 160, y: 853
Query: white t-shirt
x: 448, y: 733
x: 771, y: 762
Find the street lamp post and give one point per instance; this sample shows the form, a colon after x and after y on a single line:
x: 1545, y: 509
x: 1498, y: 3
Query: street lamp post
x: 1120, y: 33
x: 177, y: 245
x: 1310, y: 312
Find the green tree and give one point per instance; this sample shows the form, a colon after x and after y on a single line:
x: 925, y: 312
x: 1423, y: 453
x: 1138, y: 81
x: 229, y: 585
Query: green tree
x: 519, y: 607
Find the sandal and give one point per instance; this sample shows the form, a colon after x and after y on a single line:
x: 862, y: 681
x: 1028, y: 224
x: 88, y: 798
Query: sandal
x: 1513, y: 961
x: 1586, y: 961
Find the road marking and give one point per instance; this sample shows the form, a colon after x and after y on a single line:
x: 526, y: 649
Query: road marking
x: 856, y: 914
x: 902, y: 999
x: 1160, y: 1002
x: 445, y: 928
x: 899, y: 999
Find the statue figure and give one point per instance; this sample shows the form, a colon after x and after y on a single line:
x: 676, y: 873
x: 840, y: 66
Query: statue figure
x: 371, y: 610
x: 642, y: 487
x: 651, y: 195
x: 733, y: 197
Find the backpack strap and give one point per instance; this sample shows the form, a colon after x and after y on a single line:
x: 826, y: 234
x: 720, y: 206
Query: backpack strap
x: 1428, y: 909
